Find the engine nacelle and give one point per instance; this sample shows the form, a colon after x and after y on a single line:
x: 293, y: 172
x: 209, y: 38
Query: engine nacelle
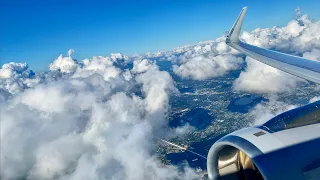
x: 231, y: 158
x: 286, y: 147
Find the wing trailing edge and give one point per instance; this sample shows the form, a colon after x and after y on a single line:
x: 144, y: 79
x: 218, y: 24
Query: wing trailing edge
x: 303, y: 68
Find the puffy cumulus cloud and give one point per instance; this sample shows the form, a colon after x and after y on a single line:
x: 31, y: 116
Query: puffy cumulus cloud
x: 313, y: 54
x: 119, y: 57
x: 202, y: 67
x: 116, y: 56
x: 15, y: 77
x: 205, y: 60
x: 156, y: 84
x: 300, y: 37
x: 101, y: 65
x: 261, y: 78
x: 140, y: 66
x: 188, y: 61
x: 297, y: 37
x: 263, y: 112
x: 90, y: 124
x: 64, y: 64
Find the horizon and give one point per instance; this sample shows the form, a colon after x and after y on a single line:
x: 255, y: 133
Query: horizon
x: 160, y: 27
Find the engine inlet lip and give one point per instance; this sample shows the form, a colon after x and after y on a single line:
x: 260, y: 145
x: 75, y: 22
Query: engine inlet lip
x: 234, y: 141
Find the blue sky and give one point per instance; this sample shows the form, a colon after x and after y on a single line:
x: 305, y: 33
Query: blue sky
x: 38, y: 31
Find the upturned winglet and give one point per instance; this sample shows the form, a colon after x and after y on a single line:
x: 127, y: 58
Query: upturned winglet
x: 304, y: 68
x: 234, y: 32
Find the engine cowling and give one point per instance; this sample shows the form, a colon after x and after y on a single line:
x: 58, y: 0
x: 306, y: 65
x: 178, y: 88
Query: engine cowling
x: 231, y: 158
x: 271, y: 156
x: 285, y: 147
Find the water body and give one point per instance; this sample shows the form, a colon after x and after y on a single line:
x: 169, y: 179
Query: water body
x: 245, y: 103
x: 197, y: 117
x: 186, y: 90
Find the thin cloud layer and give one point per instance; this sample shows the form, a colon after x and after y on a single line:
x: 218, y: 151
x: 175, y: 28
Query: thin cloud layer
x: 88, y: 123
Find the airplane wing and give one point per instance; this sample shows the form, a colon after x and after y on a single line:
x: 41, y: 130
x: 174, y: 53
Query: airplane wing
x: 285, y: 147
x: 304, y: 68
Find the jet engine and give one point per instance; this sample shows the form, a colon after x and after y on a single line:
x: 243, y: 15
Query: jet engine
x: 285, y: 147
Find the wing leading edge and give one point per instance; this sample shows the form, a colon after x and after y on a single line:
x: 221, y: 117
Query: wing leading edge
x: 304, y: 68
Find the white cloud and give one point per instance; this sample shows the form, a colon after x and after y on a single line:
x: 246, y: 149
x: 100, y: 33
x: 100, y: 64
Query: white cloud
x: 98, y: 65
x: 261, y: 78
x: 83, y: 120
x: 140, y: 66
x: 88, y: 125
x: 119, y: 56
x: 15, y: 77
x: 267, y: 110
x: 70, y: 52
x: 294, y: 28
x: 314, y: 54
x: 12, y: 69
x: 314, y: 99
x: 4, y: 95
x: 64, y: 64
x: 202, y: 61
x: 222, y: 47
x: 299, y: 37
x: 201, y: 67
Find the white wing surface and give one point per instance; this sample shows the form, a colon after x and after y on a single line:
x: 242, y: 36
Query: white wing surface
x: 304, y: 68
